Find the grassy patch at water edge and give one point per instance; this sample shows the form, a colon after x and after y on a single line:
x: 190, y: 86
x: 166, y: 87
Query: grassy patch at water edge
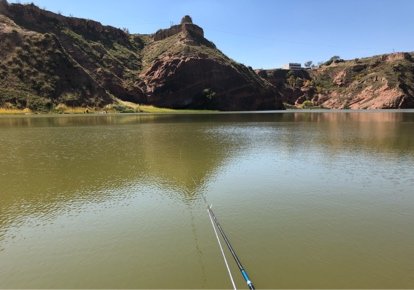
x: 128, y: 107
x: 6, y: 111
x: 120, y: 107
x: 152, y: 109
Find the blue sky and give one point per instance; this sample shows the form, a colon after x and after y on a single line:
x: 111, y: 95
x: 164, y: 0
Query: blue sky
x: 267, y: 33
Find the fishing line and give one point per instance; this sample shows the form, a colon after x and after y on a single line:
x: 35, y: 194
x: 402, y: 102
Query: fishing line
x: 197, y: 246
x: 218, y: 239
x: 222, y: 251
x: 216, y: 226
x: 232, y: 251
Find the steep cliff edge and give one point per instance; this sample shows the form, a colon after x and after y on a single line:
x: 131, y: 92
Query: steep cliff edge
x: 48, y: 59
x: 379, y: 82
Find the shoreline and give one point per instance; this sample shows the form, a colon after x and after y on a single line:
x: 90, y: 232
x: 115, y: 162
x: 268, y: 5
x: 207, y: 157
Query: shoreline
x: 154, y: 110
x: 113, y: 109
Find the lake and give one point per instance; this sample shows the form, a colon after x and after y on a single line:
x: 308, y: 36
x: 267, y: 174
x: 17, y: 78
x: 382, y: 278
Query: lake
x: 308, y: 199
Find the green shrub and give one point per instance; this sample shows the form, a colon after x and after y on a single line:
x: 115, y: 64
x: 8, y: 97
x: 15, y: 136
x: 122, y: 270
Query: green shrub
x: 123, y: 109
x: 209, y: 94
x: 39, y: 104
x: 334, y: 59
x: 307, y: 104
x: 299, y: 82
x: 291, y: 81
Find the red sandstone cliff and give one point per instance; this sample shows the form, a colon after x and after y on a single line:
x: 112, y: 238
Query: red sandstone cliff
x: 379, y: 82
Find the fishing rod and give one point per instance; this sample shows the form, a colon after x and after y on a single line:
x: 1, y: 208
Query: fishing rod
x: 215, y: 223
x: 233, y: 253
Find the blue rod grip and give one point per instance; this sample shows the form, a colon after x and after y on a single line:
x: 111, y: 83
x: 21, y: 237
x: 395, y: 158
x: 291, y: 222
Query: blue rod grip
x: 247, y: 279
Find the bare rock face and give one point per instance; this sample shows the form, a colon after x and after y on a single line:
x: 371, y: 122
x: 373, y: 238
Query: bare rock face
x: 379, y: 82
x: 3, y: 6
x: 396, y: 56
x: 201, y: 82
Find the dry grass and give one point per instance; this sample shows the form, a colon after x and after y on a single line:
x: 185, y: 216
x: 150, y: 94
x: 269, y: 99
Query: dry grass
x: 64, y: 109
x: 152, y: 109
x: 5, y: 111
x: 128, y: 107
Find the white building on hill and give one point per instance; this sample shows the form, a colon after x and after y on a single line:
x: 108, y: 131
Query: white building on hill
x: 292, y: 66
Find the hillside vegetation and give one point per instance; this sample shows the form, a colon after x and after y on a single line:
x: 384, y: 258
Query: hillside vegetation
x: 47, y: 60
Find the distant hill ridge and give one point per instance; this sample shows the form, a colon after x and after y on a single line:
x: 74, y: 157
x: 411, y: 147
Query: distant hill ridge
x: 378, y: 82
x: 48, y: 60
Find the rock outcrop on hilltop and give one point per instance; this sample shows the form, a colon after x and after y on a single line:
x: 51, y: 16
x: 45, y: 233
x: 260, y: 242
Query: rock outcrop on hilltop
x: 47, y: 59
x: 379, y: 82
x: 189, y: 31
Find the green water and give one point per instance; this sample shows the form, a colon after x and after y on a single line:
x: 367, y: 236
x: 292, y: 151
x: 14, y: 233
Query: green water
x: 308, y: 199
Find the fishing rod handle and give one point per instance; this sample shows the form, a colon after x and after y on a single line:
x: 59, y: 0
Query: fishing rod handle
x: 247, y: 279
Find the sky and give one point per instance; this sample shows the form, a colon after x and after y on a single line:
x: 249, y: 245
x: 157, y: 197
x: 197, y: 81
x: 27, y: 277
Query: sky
x: 266, y: 33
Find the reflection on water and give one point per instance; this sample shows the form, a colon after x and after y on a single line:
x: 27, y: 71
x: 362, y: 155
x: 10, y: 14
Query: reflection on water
x: 107, y: 201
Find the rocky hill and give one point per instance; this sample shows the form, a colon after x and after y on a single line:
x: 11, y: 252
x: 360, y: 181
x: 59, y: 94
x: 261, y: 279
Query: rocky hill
x: 47, y: 59
x: 379, y: 82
